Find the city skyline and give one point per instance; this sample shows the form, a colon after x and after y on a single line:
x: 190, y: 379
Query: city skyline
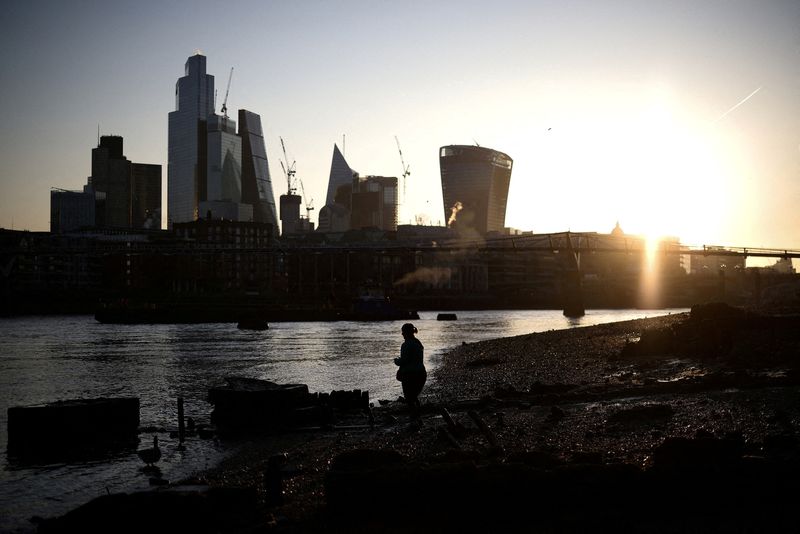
x: 681, y: 120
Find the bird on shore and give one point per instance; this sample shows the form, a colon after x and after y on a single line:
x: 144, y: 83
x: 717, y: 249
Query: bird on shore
x: 150, y: 456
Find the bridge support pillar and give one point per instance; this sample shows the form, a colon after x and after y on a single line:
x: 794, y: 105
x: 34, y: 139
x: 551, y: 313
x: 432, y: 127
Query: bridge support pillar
x: 572, y: 294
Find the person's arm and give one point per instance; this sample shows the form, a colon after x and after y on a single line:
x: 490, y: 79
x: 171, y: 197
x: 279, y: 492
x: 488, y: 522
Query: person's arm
x: 403, y: 359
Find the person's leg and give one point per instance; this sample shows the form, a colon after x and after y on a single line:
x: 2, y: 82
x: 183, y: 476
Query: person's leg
x: 420, y: 384
x: 410, y: 391
x: 412, y: 387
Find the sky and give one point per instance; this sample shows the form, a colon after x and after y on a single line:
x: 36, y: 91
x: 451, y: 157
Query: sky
x: 677, y: 118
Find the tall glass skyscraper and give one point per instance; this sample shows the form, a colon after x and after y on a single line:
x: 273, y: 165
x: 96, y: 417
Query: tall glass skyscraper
x: 256, y: 180
x: 475, y: 184
x: 186, y: 169
x: 224, y: 157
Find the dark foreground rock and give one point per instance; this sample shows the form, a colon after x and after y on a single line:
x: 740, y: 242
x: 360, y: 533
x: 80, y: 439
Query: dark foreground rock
x: 179, y: 509
x: 73, y: 429
x: 682, y: 492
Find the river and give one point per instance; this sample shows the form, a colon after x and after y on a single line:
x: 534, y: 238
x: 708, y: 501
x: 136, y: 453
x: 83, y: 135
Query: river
x: 44, y: 359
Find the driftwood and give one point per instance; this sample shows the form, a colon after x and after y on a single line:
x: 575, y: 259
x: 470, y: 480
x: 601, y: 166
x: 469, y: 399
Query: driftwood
x: 490, y: 435
x: 456, y: 429
x: 447, y: 436
x: 451, y: 425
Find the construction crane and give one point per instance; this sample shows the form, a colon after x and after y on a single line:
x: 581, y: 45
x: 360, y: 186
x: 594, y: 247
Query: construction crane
x: 309, y: 204
x: 406, y: 171
x: 225, y: 102
x: 288, y: 170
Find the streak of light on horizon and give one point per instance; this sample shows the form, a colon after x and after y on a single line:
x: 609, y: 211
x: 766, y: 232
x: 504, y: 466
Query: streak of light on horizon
x: 742, y: 101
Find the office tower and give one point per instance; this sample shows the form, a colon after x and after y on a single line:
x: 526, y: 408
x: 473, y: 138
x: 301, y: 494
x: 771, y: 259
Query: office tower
x: 126, y: 193
x: 186, y: 170
x: 256, y: 180
x: 341, y: 174
x: 224, y: 172
x: 374, y: 203
x: 224, y: 157
x: 71, y: 210
x: 290, y: 214
x: 145, y: 196
x: 111, y: 181
x: 475, y: 184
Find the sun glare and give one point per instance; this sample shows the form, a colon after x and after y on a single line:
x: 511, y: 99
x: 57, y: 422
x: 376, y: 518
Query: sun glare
x: 657, y: 171
x: 674, y: 184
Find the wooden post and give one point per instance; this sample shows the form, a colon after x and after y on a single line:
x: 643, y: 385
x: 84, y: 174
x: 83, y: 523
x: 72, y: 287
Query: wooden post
x: 181, y: 425
x: 370, y: 418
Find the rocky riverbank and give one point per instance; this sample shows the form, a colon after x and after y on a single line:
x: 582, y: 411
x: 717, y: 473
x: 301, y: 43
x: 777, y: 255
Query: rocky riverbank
x: 682, y: 423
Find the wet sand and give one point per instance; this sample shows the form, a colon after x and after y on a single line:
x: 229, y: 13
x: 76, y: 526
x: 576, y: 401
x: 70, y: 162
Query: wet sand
x: 617, y: 408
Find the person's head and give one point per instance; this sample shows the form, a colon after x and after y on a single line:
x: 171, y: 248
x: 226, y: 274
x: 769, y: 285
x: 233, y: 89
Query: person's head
x: 408, y: 330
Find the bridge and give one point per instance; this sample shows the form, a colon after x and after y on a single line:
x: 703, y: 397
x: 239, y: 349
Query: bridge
x: 582, y: 242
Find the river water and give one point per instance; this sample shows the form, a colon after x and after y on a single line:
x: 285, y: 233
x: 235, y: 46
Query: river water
x: 44, y: 359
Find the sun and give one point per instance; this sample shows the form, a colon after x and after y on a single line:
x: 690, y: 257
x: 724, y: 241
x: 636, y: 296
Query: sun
x: 653, y: 164
x: 674, y: 184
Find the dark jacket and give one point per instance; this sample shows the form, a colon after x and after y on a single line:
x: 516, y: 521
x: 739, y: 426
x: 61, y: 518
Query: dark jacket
x: 410, y: 360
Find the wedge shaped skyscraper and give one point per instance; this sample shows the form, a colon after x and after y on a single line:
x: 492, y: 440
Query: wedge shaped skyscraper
x: 341, y: 174
x: 256, y: 180
x: 475, y: 183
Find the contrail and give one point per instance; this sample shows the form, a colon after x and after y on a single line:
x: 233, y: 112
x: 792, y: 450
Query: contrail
x: 742, y: 101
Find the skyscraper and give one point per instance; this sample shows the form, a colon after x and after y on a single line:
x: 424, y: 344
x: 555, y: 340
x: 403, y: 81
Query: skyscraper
x: 341, y: 174
x: 186, y: 170
x: 224, y: 157
x: 126, y: 194
x: 145, y: 195
x: 475, y: 184
x: 256, y: 180
x: 111, y: 181
x: 374, y: 203
x: 223, y: 194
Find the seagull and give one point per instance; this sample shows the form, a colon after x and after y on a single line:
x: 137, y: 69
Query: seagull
x: 150, y: 456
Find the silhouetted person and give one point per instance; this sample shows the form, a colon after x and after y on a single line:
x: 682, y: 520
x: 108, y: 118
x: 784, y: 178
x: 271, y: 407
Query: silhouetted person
x: 412, y: 373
